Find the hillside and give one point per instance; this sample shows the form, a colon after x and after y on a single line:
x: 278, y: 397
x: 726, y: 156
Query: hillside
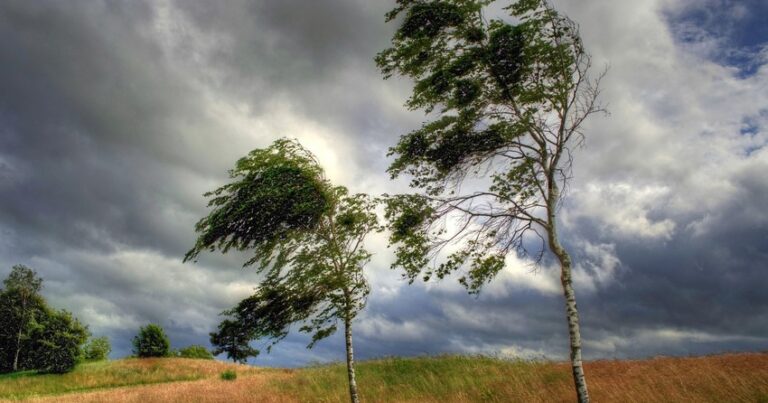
x: 722, y: 378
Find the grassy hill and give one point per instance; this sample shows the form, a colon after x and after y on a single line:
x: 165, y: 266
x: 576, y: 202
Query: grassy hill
x: 723, y: 378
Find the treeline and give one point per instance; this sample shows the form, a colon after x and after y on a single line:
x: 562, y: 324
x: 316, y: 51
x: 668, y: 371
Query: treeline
x: 36, y: 336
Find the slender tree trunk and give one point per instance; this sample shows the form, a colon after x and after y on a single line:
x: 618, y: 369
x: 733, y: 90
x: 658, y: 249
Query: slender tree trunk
x: 572, y: 313
x: 18, y: 348
x: 22, y: 325
x: 350, y: 359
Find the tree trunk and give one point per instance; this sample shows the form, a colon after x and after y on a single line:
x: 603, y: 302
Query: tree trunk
x: 350, y: 359
x: 22, y: 325
x: 18, y: 348
x: 572, y: 312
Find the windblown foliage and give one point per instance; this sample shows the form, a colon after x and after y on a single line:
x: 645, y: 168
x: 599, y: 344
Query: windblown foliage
x: 507, y: 98
x: 307, y: 237
x: 510, y: 100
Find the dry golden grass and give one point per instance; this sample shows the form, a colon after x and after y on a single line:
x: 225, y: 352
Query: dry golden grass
x: 723, y: 378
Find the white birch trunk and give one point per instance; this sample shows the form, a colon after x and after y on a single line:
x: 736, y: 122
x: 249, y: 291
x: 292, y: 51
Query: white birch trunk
x: 354, y: 398
x: 572, y: 313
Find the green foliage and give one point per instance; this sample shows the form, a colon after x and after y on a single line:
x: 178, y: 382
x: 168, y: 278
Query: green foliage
x: 151, y: 341
x: 308, y: 242
x: 229, y: 375
x: 195, y: 351
x: 278, y: 194
x: 34, y: 336
x: 505, y: 101
x: 56, y: 342
x: 97, y: 349
x: 233, y: 338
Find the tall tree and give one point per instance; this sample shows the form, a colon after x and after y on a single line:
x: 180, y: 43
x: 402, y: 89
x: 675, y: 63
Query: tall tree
x: 308, y: 238
x: 22, y: 287
x: 507, y: 101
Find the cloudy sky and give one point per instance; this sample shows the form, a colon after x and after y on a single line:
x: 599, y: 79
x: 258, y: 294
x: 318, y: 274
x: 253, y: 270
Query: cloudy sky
x: 115, y: 117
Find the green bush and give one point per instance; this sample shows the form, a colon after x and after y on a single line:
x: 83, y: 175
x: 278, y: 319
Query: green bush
x: 195, y: 351
x: 229, y: 375
x: 97, y: 349
x: 151, y: 342
x: 57, y: 340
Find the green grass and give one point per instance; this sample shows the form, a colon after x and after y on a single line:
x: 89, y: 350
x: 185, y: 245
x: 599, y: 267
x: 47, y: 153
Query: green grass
x: 102, y: 375
x: 441, y: 378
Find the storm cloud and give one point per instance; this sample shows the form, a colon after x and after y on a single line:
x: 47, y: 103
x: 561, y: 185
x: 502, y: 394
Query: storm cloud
x: 115, y: 118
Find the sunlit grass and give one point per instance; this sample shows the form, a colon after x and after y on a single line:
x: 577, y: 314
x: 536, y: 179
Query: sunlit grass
x: 726, y: 378
x: 108, y: 374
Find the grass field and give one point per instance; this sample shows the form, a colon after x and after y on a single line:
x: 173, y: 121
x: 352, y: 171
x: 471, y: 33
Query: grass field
x: 723, y: 378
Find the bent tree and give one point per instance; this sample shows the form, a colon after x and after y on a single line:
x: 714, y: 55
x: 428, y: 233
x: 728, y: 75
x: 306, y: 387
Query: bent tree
x: 506, y: 102
x: 308, y: 241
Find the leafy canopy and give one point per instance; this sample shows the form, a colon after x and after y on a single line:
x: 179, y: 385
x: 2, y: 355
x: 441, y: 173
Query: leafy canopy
x: 43, y: 338
x: 506, y: 98
x: 234, y: 339
x: 151, y: 341
x: 276, y: 195
x: 97, y: 349
x: 55, y: 342
x: 307, y: 237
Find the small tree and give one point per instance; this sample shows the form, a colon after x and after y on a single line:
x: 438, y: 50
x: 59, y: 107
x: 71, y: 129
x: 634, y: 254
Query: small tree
x: 22, y: 300
x: 308, y: 241
x: 195, y: 351
x: 234, y: 339
x: 151, y: 342
x: 97, y: 349
x: 57, y: 342
x: 508, y: 102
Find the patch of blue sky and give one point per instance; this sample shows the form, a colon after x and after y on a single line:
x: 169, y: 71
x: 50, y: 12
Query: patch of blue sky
x: 730, y: 32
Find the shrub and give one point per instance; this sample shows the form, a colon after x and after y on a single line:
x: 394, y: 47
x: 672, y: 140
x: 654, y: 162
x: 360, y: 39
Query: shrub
x: 229, y: 375
x: 57, y: 340
x: 97, y: 349
x: 151, y: 342
x: 195, y: 351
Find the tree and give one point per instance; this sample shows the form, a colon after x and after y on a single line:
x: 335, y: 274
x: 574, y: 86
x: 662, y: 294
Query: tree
x: 507, y: 102
x: 195, y: 351
x: 308, y: 240
x: 234, y: 339
x: 22, y: 288
x: 151, y: 341
x: 97, y: 349
x: 56, y: 342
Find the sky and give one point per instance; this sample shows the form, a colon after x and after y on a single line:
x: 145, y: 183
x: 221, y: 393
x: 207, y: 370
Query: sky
x: 116, y: 116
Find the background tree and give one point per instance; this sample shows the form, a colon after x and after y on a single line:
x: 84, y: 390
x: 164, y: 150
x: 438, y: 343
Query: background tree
x: 97, y: 349
x: 151, y: 341
x: 234, y: 339
x: 57, y: 342
x: 195, y: 351
x: 308, y: 241
x: 507, y: 102
x: 22, y: 286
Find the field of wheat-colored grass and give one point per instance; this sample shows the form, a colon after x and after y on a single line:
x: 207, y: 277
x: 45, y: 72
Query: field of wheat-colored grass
x: 722, y: 378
